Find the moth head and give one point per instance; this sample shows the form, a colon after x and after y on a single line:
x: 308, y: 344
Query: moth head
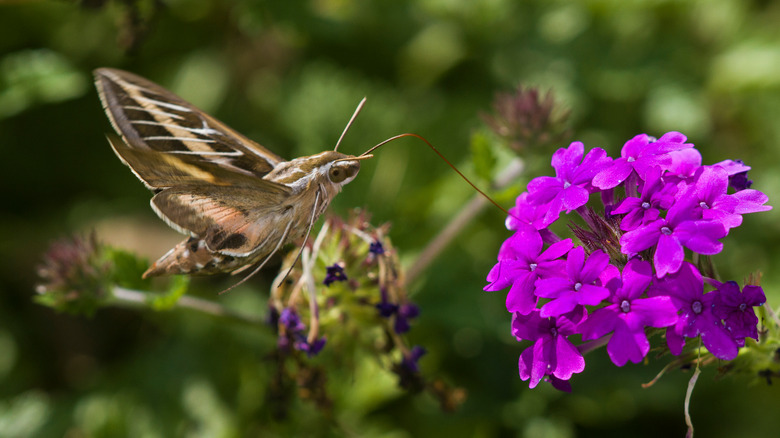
x: 343, y: 170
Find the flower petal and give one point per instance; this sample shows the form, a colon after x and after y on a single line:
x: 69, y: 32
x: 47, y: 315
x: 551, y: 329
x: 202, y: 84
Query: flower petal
x: 668, y: 256
x: 641, y: 238
x: 625, y: 345
x: 521, y: 296
x: 637, y: 275
x: 613, y: 175
x: 717, y: 340
x: 569, y: 360
x: 563, y: 304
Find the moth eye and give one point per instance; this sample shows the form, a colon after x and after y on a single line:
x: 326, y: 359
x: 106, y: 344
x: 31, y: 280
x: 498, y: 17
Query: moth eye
x: 341, y: 171
x: 336, y: 175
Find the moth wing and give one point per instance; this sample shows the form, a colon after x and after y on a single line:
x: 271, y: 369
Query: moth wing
x: 160, y: 170
x: 235, y: 221
x: 152, y: 119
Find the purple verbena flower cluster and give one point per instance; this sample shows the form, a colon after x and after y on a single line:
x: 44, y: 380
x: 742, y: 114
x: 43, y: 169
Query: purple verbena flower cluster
x: 629, y: 273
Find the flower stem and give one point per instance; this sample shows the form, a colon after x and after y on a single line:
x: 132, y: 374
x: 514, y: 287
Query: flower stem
x: 454, y: 227
x: 772, y: 315
x: 688, y: 394
x: 142, y: 299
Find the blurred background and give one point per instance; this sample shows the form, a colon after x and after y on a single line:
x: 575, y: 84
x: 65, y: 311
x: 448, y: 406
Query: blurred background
x: 289, y: 74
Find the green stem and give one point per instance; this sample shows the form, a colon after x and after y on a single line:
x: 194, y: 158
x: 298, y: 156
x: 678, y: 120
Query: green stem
x: 142, y: 299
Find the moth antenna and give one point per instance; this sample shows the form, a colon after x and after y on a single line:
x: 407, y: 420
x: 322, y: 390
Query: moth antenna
x: 396, y: 137
x: 352, y: 119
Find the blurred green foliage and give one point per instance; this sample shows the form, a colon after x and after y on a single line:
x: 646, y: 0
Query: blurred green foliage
x: 288, y: 74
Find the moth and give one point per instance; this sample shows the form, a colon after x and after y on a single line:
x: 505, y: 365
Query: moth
x: 237, y: 201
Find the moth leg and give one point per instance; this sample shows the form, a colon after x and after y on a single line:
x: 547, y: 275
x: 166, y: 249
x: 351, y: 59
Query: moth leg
x: 305, y: 239
x: 241, y: 269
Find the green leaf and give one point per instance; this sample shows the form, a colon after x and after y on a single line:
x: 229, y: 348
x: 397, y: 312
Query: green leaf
x: 127, y: 268
x: 177, y: 288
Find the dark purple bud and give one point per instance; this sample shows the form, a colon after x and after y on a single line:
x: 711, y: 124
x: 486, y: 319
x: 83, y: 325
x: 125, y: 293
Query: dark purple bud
x: 376, y: 248
x: 740, y: 181
x: 385, y: 307
x: 273, y: 317
x: 409, y: 362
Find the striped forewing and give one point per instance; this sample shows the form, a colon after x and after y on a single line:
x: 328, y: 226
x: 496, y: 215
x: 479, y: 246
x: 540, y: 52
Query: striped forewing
x: 167, y: 137
x: 207, y: 177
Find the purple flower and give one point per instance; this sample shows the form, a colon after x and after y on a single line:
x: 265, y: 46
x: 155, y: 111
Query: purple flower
x: 709, y: 193
x: 628, y: 315
x: 408, y: 371
x: 552, y: 354
x: 291, y: 321
x: 571, y: 186
x: 656, y: 195
x: 582, y: 284
x: 526, y: 213
x: 685, y: 163
x: 742, y: 202
x: 521, y: 262
x: 406, y: 312
x: 679, y: 229
x: 311, y: 349
x: 735, y: 308
x: 686, y: 289
x: 668, y: 205
x: 293, y: 332
x: 333, y: 274
x: 639, y: 155
x: 376, y: 248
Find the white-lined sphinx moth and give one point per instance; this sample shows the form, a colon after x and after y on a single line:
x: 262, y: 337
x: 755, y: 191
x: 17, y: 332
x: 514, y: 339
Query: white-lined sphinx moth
x: 238, y: 202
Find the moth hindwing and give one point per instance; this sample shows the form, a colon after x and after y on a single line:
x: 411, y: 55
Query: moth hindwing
x: 237, y: 202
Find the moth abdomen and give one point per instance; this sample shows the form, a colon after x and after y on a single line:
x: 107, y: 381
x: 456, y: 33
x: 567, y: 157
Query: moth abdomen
x: 193, y: 257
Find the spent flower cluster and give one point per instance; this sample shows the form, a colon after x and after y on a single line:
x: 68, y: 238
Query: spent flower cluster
x: 79, y: 273
x: 629, y: 274
x: 359, y: 278
x: 347, y: 298
x: 527, y: 119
